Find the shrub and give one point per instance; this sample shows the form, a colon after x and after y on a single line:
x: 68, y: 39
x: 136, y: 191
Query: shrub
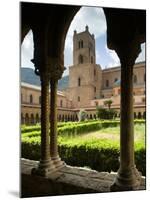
x: 82, y: 115
x: 103, y: 113
x: 99, y: 155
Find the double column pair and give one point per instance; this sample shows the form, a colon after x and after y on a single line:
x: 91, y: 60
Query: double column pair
x: 50, y: 160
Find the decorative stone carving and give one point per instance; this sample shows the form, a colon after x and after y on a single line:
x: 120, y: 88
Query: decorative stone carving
x: 55, y: 75
x: 46, y: 165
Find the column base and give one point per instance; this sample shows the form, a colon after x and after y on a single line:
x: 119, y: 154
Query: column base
x: 126, y: 180
x: 58, y: 163
x: 45, y: 168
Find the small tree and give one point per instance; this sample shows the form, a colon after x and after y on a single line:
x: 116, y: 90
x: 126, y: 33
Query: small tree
x: 103, y: 113
x: 82, y: 116
x: 108, y: 103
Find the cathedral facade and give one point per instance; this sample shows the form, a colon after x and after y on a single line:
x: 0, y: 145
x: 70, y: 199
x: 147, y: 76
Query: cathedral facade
x: 89, y: 86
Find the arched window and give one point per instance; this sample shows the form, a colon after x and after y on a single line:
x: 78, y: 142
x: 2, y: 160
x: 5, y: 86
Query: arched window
x: 78, y: 98
x: 116, y: 79
x: 22, y: 118
x: 31, y: 98
x: 144, y: 115
x: 79, y: 82
x: 134, y: 115
x: 61, y: 103
x: 63, y: 118
x: 32, y: 119
x: 80, y: 44
x: 39, y: 99
x: 135, y: 79
x: 37, y: 118
x: 139, y: 115
x: 91, y: 59
x: 26, y: 118
x: 21, y: 97
x: 143, y: 100
x: 107, y: 83
x: 94, y: 72
x: 96, y: 103
x: 80, y: 59
x: 94, y: 89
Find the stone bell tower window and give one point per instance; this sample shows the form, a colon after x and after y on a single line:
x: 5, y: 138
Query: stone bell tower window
x: 91, y: 59
x: 31, y: 98
x: 135, y: 79
x: 79, y: 82
x: 107, y: 83
x: 80, y: 44
x: 80, y: 59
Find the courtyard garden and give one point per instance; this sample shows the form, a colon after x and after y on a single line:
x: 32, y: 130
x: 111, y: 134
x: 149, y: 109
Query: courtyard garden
x: 93, y: 144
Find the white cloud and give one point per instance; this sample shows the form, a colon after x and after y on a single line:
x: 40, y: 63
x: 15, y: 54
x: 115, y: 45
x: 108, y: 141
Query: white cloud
x: 141, y: 56
x: 91, y: 16
x: 114, y: 59
x: 27, y: 51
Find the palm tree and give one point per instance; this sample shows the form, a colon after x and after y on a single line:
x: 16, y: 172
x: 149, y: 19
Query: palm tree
x: 108, y: 103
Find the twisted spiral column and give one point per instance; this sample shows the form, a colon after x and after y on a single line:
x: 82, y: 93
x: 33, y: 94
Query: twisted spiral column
x: 46, y: 165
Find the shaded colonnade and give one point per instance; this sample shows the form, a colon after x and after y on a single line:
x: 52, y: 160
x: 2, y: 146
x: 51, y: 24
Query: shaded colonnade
x: 125, y: 33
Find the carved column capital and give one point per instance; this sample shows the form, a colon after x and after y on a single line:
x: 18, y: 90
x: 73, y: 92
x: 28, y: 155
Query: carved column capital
x: 128, y: 52
x: 55, y: 67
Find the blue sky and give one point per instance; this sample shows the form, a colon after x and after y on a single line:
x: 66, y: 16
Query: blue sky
x: 93, y: 17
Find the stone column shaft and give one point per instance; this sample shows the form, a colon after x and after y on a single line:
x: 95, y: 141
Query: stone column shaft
x: 53, y: 125
x: 45, y: 166
x: 128, y: 177
x: 53, y: 120
x: 45, y: 153
x: 127, y: 123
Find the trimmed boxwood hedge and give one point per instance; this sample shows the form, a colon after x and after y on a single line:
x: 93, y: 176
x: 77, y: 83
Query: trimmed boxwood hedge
x: 67, y: 125
x: 99, y: 155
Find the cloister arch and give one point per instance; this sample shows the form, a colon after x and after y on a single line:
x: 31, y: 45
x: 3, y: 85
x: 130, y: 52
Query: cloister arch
x: 135, y: 115
x: 139, y: 115
x: 27, y: 119
x: 37, y: 118
x: 22, y: 118
x: 49, y: 39
x: 144, y: 115
x: 32, y: 118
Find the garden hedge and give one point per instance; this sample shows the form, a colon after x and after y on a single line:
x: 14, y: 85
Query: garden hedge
x: 101, y: 156
x: 97, y: 154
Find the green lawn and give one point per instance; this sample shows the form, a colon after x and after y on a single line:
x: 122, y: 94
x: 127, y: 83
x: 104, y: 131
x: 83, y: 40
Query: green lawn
x: 94, y: 144
x: 106, y: 134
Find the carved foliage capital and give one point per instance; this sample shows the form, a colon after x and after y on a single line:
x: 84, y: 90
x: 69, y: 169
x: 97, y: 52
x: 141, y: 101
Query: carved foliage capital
x: 55, y: 68
x: 128, y: 53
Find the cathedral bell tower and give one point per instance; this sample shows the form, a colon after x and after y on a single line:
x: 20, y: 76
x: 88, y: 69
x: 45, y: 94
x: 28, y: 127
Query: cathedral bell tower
x: 84, y: 76
x: 83, y: 47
